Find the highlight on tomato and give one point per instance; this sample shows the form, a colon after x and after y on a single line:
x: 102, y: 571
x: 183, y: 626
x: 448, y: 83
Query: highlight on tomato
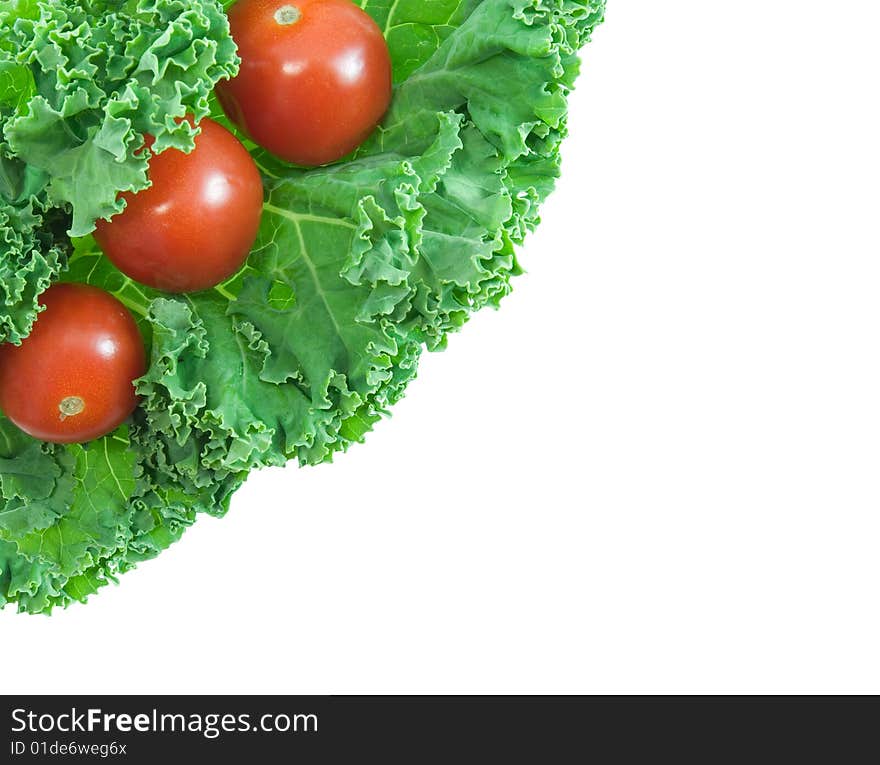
x: 315, y: 77
x: 194, y: 227
x: 71, y: 379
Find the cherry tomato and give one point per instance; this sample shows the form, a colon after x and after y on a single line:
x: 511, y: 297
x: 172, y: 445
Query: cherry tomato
x: 71, y: 379
x: 315, y: 77
x: 194, y: 227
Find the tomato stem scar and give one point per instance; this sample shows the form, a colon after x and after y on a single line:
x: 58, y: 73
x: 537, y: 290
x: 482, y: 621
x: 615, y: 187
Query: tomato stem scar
x: 287, y: 15
x: 71, y: 406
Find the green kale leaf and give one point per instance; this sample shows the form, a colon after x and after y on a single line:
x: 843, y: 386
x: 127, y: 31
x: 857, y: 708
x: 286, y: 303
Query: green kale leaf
x: 357, y: 269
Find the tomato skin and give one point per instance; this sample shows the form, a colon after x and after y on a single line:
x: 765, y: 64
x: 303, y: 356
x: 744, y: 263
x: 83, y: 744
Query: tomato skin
x: 83, y: 352
x: 312, y: 91
x: 194, y: 227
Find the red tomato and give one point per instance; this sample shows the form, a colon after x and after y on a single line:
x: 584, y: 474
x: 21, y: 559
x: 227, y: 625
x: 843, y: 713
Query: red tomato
x: 194, y: 227
x: 71, y: 378
x: 315, y: 77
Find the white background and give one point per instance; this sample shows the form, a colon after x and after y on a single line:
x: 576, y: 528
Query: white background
x: 655, y: 469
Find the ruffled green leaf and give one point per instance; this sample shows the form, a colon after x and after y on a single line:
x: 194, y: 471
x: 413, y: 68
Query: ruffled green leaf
x: 105, y: 75
x: 81, y: 83
x: 358, y: 266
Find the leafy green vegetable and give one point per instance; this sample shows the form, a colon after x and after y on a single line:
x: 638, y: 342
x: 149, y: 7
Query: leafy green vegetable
x: 358, y: 267
x: 81, y: 82
x: 105, y: 74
